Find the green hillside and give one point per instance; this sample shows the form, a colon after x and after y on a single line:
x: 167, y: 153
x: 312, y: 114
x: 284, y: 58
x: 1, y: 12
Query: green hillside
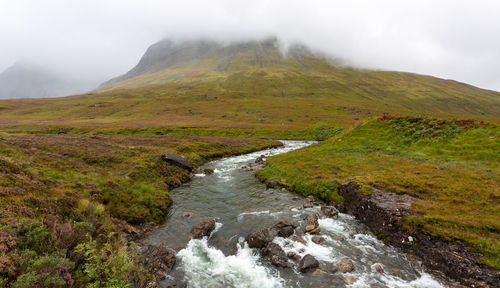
x: 252, y: 85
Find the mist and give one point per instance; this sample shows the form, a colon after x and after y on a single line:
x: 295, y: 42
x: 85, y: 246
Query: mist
x: 92, y: 41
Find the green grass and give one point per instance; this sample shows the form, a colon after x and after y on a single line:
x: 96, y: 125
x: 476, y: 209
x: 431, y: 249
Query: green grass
x: 450, y: 166
x: 61, y: 192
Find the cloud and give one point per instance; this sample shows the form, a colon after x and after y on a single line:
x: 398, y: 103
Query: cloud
x: 94, y: 40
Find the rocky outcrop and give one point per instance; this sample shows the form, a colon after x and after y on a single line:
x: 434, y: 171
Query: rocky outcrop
x: 383, y: 212
x: 178, y: 161
x: 308, y: 263
x: 203, y: 228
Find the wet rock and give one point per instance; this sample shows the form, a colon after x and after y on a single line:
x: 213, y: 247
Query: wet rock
x: 203, y: 228
x: 178, y: 161
x: 349, y: 280
x: 318, y: 272
x: 309, y: 228
x: 307, y: 205
x: 308, y: 263
x: 157, y: 259
x: 299, y: 239
x: 187, y: 214
x: 318, y: 239
x: 329, y: 211
x: 311, y: 219
x: 345, y: 265
x: 291, y: 254
x: 337, y: 237
x: 273, y: 252
x: 261, y: 237
x: 329, y: 267
x: 285, y: 228
x: 260, y: 159
x: 273, y: 184
x: 379, y: 268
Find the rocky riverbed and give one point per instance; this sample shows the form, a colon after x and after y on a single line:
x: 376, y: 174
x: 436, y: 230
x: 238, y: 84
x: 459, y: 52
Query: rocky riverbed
x: 227, y: 229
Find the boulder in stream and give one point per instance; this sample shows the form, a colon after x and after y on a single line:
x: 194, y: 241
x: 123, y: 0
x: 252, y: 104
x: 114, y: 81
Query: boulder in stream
x: 261, y: 237
x: 308, y: 263
x: 276, y: 255
x: 285, y: 228
x: 329, y: 211
x: 203, y: 228
x: 345, y: 265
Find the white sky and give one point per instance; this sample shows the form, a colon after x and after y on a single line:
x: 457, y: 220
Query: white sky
x: 94, y: 40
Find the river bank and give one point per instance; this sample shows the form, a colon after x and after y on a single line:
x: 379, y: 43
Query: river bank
x: 385, y: 212
x: 67, y: 201
x: 240, y: 205
x: 449, y: 170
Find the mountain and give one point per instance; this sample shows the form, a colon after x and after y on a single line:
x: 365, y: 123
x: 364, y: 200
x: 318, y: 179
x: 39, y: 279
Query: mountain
x: 242, y: 66
x: 253, y: 84
x: 218, y: 56
x: 24, y: 80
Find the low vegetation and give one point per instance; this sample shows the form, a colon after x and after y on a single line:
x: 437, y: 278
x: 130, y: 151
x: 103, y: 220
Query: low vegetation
x: 450, y: 166
x: 67, y: 200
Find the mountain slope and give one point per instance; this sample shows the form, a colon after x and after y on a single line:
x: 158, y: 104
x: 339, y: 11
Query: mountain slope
x: 240, y: 67
x: 252, y: 84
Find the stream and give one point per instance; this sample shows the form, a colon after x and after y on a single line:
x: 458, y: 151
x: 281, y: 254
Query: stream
x: 241, y: 204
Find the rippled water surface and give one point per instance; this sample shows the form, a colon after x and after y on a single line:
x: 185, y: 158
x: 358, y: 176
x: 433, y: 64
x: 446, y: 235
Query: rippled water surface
x: 240, y: 204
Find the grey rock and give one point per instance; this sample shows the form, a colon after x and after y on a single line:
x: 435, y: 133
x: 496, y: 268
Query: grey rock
x: 276, y: 255
x: 345, y: 265
x: 203, y: 228
x: 178, y: 161
x: 261, y: 237
x: 308, y: 263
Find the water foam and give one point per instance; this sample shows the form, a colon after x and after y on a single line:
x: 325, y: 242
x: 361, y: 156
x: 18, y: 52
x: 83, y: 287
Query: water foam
x: 205, y: 266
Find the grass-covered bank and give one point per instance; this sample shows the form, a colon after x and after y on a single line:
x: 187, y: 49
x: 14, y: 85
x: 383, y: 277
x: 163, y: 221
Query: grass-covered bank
x: 450, y: 166
x: 66, y: 201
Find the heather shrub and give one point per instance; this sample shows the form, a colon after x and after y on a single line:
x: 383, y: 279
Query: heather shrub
x: 45, y: 271
x: 105, y: 266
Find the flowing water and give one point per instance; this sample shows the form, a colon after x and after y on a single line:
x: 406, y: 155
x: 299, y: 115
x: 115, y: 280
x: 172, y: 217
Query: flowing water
x: 240, y: 204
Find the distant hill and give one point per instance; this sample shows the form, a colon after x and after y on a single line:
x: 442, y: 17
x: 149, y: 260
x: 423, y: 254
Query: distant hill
x: 30, y: 81
x: 204, y: 83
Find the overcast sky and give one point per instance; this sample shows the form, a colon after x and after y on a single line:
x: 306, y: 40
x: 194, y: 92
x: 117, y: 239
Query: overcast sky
x: 95, y: 40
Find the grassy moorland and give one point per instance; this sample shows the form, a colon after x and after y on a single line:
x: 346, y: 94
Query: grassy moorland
x: 450, y: 166
x: 252, y: 87
x: 65, y: 201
